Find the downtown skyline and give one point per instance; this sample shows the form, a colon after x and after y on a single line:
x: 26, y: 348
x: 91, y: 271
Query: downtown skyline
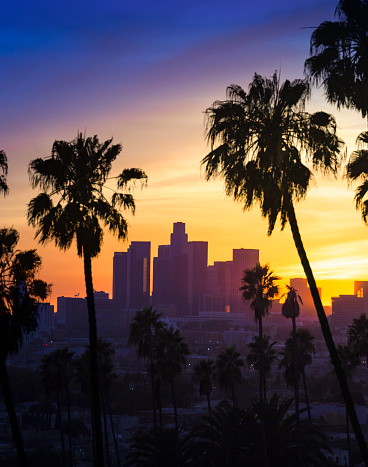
x: 144, y: 75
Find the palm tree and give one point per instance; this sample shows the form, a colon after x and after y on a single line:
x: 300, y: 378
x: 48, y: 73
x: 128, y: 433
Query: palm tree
x: 56, y: 374
x: 269, y: 355
x: 231, y: 437
x: 258, y: 285
x: 203, y: 372
x: 170, y: 358
x: 106, y: 376
x: 19, y: 293
x: 339, y: 56
x: 291, y: 309
x: 349, y: 361
x: 262, y: 137
x: 306, y: 349
x: 160, y: 449
x: 73, y: 206
x: 144, y: 328
x: 358, y: 336
x: 228, y: 373
x: 4, y: 169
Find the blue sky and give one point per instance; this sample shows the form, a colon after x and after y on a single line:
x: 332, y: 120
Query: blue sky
x: 144, y: 73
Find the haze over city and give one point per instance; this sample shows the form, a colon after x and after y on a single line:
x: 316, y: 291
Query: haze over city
x: 144, y: 74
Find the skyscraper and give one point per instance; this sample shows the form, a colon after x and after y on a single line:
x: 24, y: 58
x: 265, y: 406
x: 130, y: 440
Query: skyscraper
x: 180, y: 273
x: 307, y: 308
x: 242, y: 259
x: 131, y: 276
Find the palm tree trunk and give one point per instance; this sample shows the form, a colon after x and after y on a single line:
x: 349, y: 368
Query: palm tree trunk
x: 113, y: 431
x: 60, y: 427
x: 96, y: 407
x: 261, y: 375
x: 153, y: 390
x: 8, y: 399
x: 348, y: 437
x: 69, y: 422
x: 105, y: 432
x: 174, y: 405
x: 306, y: 395
x: 159, y: 400
x: 296, y: 386
x: 327, y: 334
x: 208, y: 403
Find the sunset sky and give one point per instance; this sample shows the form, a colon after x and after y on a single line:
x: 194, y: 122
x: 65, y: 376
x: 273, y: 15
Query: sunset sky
x: 143, y: 74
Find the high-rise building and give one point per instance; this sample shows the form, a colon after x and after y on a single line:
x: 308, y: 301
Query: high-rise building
x: 72, y: 316
x: 242, y: 259
x: 180, y: 274
x: 307, y: 308
x: 345, y: 308
x: 361, y: 290
x: 131, y: 276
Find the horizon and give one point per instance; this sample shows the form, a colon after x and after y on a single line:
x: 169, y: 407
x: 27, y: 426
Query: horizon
x: 145, y: 74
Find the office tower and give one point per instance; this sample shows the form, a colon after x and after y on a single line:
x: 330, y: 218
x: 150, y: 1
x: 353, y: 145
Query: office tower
x: 361, y: 290
x: 45, y: 318
x: 197, y: 253
x: 242, y: 259
x: 131, y: 276
x: 120, y: 278
x: 180, y: 274
x: 307, y: 308
x: 72, y: 316
x: 345, y: 308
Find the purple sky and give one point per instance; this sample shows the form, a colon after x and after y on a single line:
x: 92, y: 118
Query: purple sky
x: 144, y: 73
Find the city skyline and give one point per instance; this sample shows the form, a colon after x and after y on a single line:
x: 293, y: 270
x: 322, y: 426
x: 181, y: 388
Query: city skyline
x: 144, y: 74
x: 138, y: 260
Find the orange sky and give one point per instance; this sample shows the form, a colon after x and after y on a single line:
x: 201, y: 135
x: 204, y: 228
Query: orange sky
x: 151, y: 99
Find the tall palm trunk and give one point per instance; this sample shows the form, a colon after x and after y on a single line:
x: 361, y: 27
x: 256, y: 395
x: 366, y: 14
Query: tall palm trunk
x: 105, y: 431
x: 153, y: 390
x: 208, y: 403
x: 348, y: 440
x: 61, y: 428
x: 261, y: 371
x: 327, y: 334
x: 261, y: 376
x: 8, y: 399
x: 174, y: 405
x: 113, y: 430
x: 96, y: 407
x: 306, y: 395
x: 69, y: 422
x: 296, y: 386
x: 159, y: 400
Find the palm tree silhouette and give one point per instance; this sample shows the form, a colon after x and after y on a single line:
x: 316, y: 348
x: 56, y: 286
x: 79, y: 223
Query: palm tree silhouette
x: 339, y: 56
x: 349, y: 361
x: 203, y: 372
x: 291, y: 309
x: 269, y: 356
x: 73, y: 206
x: 358, y: 336
x: 231, y: 437
x: 171, y: 358
x: 144, y: 329
x: 4, y: 169
x: 19, y: 293
x: 262, y: 137
x: 228, y: 373
x: 258, y: 285
x: 106, y: 376
x: 56, y: 374
x: 306, y: 349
